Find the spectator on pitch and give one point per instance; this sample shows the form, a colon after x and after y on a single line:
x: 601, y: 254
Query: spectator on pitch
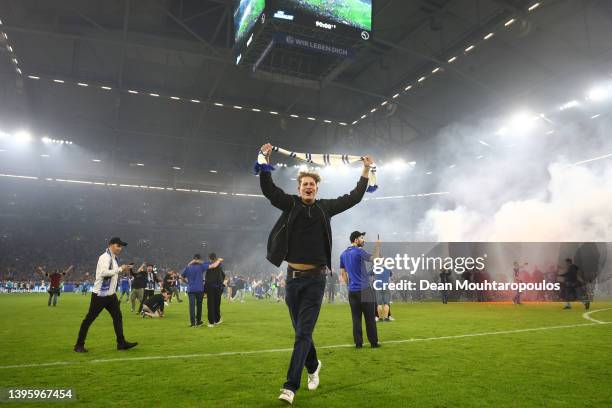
x: 240, y: 283
x: 537, y: 276
x: 139, y: 283
x: 362, y: 298
x: 303, y: 237
x: 231, y: 288
x: 214, y: 288
x: 124, y: 287
x: 104, y: 296
x: 167, y: 283
x: 282, y: 287
x: 154, y: 306
x: 55, y: 278
x: 194, y: 273
x: 175, y: 289
x: 445, y: 278
x: 84, y: 287
x: 518, y: 278
x: 468, y: 278
x: 574, y: 282
x: 150, y: 284
x: 478, y: 278
x: 383, y: 295
x: 332, y: 279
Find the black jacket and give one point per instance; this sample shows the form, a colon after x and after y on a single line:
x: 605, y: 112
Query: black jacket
x: 278, y: 241
x: 215, y: 277
x: 140, y: 280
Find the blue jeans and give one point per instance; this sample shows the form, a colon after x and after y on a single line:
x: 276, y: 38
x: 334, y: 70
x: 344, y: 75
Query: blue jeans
x: 195, y: 307
x: 303, y: 297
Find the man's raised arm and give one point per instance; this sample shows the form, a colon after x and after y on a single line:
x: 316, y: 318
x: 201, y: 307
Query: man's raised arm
x: 275, y: 194
x: 351, y: 199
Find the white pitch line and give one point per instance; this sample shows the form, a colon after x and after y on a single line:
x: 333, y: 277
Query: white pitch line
x: 237, y: 353
x: 586, y: 315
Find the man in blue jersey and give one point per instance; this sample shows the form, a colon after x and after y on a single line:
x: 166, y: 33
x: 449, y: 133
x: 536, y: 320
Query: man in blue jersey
x: 361, y: 294
x: 124, y: 285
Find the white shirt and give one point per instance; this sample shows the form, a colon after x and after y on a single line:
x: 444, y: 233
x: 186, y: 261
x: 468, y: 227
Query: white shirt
x: 107, y: 268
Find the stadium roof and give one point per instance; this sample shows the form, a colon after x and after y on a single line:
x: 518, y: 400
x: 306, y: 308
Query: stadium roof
x: 156, y: 79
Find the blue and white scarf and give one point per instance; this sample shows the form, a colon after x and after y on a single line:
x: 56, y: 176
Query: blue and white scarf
x: 318, y: 159
x: 106, y: 282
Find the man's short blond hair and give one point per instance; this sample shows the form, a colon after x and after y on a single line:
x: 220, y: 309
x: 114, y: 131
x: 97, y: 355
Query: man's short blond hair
x: 312, y: 175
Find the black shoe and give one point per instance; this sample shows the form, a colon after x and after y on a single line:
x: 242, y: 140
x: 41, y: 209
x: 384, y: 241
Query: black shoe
x: 80, y: 349
x: 198, y: 324
x: 126, y: 345
x: 358, y: 346
x: 375, y: 345
x: 567, y: 307
x: 587, y: 305
x: 192, y: 325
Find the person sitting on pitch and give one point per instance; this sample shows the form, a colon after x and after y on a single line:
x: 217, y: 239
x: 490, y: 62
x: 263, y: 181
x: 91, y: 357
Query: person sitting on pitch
x: 154, y: 306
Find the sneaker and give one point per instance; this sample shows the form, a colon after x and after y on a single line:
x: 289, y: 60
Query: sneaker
x: 391, y: 319
x: 375, y: 345
x: 313, y: 379
x: 80, y: 349
x: 567, y: 307
x: 198, y: 324
x: 220, y: 321
x: 126, y: 345
x: 191, y: 326
x: 287, y: 396
x: 387, y: 319
x: 377, y: 319
x: 210, y: 325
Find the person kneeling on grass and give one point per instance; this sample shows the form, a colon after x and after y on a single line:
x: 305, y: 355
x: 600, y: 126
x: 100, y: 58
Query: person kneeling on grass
x: 154, y: 306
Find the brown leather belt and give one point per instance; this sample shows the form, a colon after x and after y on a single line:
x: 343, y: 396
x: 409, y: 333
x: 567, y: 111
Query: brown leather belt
x: 295, y: 273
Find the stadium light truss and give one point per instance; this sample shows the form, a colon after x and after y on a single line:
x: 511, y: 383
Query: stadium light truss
x: 451, y: 59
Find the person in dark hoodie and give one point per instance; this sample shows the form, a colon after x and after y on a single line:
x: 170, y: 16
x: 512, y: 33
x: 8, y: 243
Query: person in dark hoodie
x: 213, y: 286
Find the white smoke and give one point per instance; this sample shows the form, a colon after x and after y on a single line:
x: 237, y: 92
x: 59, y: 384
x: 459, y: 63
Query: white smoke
x: 571, y: 203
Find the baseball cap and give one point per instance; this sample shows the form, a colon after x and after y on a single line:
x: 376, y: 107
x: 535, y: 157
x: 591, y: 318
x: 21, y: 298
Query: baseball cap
x: 117, y: 240
x: 356, y: 234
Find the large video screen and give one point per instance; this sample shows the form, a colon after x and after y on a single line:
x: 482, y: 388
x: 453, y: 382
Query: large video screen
x: 353, y: 13
x: 246, y: 13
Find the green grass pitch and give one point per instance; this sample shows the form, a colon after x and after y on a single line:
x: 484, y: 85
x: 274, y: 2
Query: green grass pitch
x: 560, y: 367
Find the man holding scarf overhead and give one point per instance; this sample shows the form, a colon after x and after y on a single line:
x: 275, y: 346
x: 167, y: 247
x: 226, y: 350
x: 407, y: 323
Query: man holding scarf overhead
x: 302, y: 236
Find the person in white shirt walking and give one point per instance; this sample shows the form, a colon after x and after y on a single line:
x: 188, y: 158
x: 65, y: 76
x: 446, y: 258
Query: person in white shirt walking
x: 103, y: 295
